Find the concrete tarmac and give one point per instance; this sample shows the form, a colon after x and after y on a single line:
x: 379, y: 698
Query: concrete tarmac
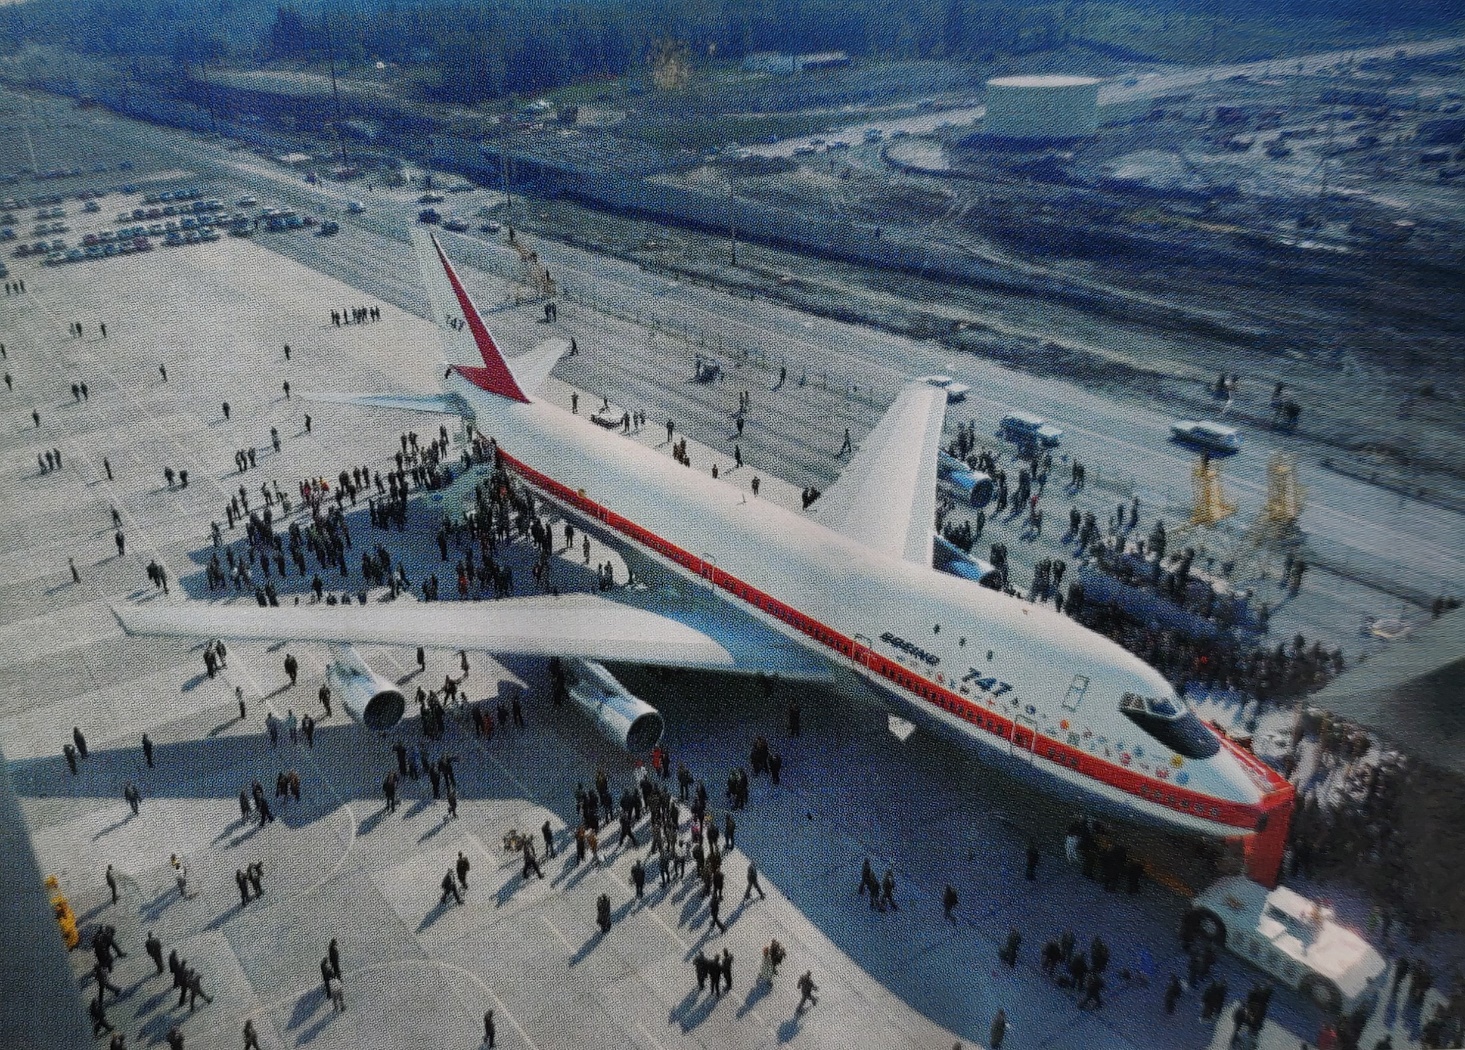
x: 335, y: 863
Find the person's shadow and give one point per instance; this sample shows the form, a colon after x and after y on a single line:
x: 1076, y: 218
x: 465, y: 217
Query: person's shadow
x: 756, y: 994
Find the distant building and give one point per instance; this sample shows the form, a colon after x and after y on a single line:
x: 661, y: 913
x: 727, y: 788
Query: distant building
x: 770, y: 62
x: 777, y: 62
x: 1041, y: 109
x: 823, y: 60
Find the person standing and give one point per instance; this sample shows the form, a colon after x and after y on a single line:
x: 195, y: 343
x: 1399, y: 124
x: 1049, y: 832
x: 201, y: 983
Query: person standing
x: 147, y: 750
x: 1172, y: 994
x: 462, y: 868
x: 489, y: 1032
x: 112, y: 883
x: 154, y: 948
x: 999, y: 1030
x: 77, y: 736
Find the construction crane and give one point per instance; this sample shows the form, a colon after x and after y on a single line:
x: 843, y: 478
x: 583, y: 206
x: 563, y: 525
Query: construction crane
x: 1210, y: 506
x: 1285, y: 498
x: 537, y: 283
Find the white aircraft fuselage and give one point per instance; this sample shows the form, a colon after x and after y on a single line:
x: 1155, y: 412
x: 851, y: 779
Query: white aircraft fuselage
x: 1018, y: 678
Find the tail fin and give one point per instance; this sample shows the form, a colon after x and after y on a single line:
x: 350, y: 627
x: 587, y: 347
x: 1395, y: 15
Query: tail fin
x: 462, y: 327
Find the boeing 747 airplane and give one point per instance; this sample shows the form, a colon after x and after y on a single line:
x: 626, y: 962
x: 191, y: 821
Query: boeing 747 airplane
x: 845, y: 593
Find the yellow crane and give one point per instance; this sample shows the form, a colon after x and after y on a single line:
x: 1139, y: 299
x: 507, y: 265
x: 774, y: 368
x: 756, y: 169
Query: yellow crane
x: 537, y: 281
x: 1210, y: 506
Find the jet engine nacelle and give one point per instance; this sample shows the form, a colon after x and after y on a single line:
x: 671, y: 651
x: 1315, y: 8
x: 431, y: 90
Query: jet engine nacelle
x: 625, y: 719
x: 368, y: 698
x: 974, y: 486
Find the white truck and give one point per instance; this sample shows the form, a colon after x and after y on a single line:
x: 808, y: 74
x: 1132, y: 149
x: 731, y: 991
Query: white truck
x: 1296, y: 940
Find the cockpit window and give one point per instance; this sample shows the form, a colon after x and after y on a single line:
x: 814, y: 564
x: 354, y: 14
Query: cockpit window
x: 1162, y: 707
x: 1172, y: 723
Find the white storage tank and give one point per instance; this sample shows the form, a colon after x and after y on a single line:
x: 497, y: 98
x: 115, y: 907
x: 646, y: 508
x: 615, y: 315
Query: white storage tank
x: 1047, y: 108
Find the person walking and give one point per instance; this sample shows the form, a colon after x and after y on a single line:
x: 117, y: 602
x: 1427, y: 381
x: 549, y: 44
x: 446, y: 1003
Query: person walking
x: 489, y: 1031
x: 807, y: 988
x: 251, y: 1037
x: 80, y: 740
x: 112, y: 883
x: 98, y: 1014
x: 462, y: 868
x: 602, y: 912
x: 450, y: 889
x: 887, y: 891
x: 753, y: 883
x: 133, y: 797
x: 147, y: 750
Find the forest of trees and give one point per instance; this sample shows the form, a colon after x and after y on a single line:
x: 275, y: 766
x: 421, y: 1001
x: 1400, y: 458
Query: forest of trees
x: 476, y: 51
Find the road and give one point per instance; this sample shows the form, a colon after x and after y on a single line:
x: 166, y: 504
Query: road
x: 1369, y: 536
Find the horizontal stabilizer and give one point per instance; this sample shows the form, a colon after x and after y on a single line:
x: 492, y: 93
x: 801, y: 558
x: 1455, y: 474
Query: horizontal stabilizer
x: 533, y: 368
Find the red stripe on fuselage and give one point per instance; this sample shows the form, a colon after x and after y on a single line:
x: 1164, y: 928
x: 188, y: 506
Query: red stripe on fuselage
x: 494, y: 376
x: 1240, y: 816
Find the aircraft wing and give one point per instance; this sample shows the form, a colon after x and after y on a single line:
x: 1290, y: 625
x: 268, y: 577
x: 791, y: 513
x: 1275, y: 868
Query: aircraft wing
x: 583, y: 625
x: 886, y: 497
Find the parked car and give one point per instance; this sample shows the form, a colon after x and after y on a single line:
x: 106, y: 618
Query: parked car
x: 1207, y: 434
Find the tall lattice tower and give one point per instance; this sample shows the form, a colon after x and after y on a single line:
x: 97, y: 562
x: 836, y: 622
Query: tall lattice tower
x: 1210, y: 504
x: 537, y: 283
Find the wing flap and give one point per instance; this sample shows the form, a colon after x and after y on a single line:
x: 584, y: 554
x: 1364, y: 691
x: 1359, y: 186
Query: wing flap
x: 886, y: 497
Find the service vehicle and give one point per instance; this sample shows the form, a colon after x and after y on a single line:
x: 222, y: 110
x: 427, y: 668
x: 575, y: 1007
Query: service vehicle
x: 1296, y: 940
x: 1025, y: 427
x: 355, y: 207
x: 954, y: 391
x: 455, y: 224
x: 1206, y: 433
x: 329, y: 228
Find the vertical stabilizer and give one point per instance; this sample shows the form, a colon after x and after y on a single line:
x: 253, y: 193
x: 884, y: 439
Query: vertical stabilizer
x: 464, y: 334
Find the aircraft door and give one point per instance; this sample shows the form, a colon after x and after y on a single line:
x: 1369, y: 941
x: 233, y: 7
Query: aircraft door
x: 1024, y: 737
x: 862, y: 650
